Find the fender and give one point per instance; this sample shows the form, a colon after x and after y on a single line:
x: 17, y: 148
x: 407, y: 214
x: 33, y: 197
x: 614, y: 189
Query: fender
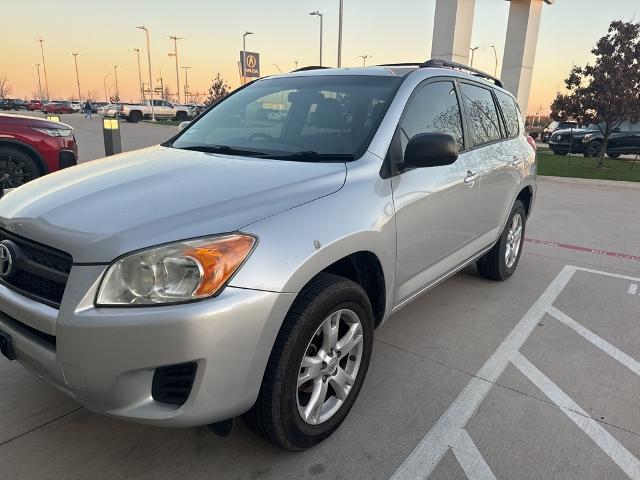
x: 32, y: 152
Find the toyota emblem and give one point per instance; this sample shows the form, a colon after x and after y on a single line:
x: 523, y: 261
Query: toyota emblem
x: 6, y: 261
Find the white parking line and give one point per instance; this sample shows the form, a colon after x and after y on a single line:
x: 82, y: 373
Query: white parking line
x: 470, y: 459
x: 599, y: 342
x: 633, y: 288
x: 435, y: 444
x: 448, y: 432
x: 614, y: 449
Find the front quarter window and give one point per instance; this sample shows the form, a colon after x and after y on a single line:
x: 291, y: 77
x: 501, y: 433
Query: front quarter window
x: 323, y: 116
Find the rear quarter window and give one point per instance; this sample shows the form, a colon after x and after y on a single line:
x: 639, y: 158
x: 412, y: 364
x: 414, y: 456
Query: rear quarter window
x: 510, y: 113
x: 482, y: 115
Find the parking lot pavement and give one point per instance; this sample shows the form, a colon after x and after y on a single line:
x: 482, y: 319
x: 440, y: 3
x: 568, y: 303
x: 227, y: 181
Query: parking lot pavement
x: 536, y: 377
x: 90, y: 139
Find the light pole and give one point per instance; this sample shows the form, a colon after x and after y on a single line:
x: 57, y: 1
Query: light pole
x: 186, y: 83
x: 115, y: 72
x: 473, y: 51
x: 340, y: 34
x: 318, y: 14
x: 175, y: 54
x: 104, y: 81
x: 244, y: 55
x: 44, y: 65
x: 364, y: 59
x: 276, y: 65
x: 295, y: 63
x: 37, y: 65
x: 495, y: 54
x: 137, y: 50
x: 75, y: 60
x: 146, y: 31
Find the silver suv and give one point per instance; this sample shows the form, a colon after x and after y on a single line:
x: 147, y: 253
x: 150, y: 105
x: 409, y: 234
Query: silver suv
x: 242, y: 267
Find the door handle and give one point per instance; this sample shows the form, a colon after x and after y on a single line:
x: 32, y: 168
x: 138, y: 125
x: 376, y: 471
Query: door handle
x: 516, y: 162
x: 471, y: 178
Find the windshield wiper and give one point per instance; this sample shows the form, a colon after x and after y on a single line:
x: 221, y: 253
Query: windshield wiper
x: 313, y: 156
x: 223, y: 149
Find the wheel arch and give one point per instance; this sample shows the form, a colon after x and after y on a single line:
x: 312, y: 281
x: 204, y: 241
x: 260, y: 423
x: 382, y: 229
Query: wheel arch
x: 28, y: 150
x: 526, y: 197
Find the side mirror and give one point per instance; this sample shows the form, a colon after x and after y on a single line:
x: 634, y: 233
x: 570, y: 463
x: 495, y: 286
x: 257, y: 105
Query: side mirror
x: 430, y: 150
x: 183, y: 125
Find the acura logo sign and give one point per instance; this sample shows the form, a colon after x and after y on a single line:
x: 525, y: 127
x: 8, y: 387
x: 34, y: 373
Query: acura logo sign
x: 6, y: 261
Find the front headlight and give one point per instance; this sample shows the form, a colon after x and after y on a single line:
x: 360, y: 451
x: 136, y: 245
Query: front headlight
x: 587, y: 138
x: 55, y: 132
x: 174, y: 273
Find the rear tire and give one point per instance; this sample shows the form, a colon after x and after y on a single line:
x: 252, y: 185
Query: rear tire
x: 135, y: 117
x: 497, y: 264
x: 284, y: 412
x: 181, y: 116
x: 558, y: 152
x: 613, y: 155
x: 20, y: 167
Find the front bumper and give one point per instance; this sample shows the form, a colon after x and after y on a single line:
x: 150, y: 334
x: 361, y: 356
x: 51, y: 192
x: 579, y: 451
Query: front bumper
x: 562, y: 146
x: 105, y: 358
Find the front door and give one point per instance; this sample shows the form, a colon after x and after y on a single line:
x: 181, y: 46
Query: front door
x: 435, y: 207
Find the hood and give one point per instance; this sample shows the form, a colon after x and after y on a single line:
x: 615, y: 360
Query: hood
x: 102, y: 209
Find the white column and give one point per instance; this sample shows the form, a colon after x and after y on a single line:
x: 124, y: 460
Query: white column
x: 452, y: 28
x: 520, y: 47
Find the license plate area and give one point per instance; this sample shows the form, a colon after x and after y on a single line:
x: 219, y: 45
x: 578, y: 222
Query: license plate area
x: 6, y: 346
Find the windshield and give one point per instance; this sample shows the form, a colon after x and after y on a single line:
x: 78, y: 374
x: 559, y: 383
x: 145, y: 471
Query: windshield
x: 320, y: 116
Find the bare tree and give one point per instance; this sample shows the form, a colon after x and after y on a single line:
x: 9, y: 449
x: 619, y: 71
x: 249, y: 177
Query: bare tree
x: 5, y: 88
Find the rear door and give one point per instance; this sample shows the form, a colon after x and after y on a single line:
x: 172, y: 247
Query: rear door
x: 498, y: 156
x: 435, y: 207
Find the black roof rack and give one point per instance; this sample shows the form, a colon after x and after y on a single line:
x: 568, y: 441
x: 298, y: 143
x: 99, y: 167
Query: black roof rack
x: 405, y: 64
x: 310, y: 67
x: 436, y: 63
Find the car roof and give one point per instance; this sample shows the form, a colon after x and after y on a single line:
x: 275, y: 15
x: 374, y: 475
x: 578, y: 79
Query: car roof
x: 396, y: 70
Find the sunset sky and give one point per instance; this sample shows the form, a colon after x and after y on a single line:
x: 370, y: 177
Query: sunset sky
x: 389, y: 30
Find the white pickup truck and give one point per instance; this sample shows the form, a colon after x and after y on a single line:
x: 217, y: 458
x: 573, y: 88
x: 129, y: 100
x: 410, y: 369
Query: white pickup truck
x: 162, y: 109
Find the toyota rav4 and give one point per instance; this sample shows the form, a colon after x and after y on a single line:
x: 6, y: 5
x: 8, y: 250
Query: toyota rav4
x: 242, y: 267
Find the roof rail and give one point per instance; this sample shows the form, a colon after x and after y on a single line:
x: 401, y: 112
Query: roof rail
x: 310, y: 67
x: 405, y: 64
x: 436, y: 63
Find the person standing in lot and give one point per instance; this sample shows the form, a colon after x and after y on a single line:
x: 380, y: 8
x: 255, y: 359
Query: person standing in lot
x: 87, y: 109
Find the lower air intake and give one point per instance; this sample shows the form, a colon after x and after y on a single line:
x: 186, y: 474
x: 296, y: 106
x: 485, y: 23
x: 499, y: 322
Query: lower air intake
x: 172, y: 384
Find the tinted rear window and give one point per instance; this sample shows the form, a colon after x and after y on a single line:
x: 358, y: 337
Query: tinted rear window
x: 482, y: 114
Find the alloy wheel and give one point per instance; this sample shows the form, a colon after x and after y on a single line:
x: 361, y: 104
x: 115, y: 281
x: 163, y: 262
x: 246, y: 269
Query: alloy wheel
x: 514, y: 241
x: 329, y: 367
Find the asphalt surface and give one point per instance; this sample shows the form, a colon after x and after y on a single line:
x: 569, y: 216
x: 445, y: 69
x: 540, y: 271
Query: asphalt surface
x: 537, y: 377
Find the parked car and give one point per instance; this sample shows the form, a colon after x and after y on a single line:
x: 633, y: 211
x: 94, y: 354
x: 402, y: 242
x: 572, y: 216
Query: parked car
x: 31, y: 147
x: 555, y: 125
x: 57, y: 107
x: 195, y: 110
x: 35, y: 105
x: 162, y: 109
x: 10, y: 104
x: 243, y: 270
x: 625, y: 140
x: 97, y: 105
x: 76, y: 106
x: 560, y: 139
x: 108, y: 110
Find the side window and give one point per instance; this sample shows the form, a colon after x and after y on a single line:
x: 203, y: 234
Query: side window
x: 510, y: 113
x: 482, y: 113
x: 433, y: 109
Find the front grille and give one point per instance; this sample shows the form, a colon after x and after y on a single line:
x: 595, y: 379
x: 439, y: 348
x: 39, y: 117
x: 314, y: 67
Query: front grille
x: 38, y: 272
x: 172, y: 384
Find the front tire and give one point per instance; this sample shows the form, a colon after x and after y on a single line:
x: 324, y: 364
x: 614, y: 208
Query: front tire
x: 317, y: 366
x: 20, y: 167
x: 135, y: 117
x: 501, y: 261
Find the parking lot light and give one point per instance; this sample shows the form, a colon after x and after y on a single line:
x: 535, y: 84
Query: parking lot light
x: 75, y: 60
x: 37, y: 65
x: 146, y: 31
x: 319, y: 14
x: 40, y: 40
x: 104, y: 81
x: 364, y: 59
x: 138, y: 50
x: 175, y: 39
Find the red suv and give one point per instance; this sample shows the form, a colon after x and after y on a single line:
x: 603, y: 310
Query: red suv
x: 31, y: 147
